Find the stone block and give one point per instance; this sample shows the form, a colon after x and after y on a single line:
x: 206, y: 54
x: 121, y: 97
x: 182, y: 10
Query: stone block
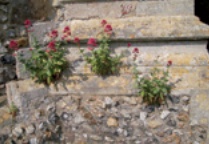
x: 94, y: 85
x: 21, y: 71
x: 40, y: 30
x: 165, y: 8
x: 107, y: 9
x: 199, y: 108
x: 25, y: 93
x: 104, y: 8
x: 144, y: 28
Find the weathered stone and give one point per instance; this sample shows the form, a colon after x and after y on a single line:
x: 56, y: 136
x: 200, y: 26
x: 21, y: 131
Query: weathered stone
x: 112, y: 122
x: 130, y: 100
x: 125, y: 113
x: 177, y: 27
x: 165, y: 8
x: 43, y: 126
x: 65, y: 116
x: 3, y: 18
x: 25, y: 92
x: 4, y: 8
x: 127, y: 8
x: 8, y: 59
x: 96, y: 137
x: 30, y: 129
x: 3, y: 100
x: 40, y: 30
x: 52, y: 118
x: 154, y: 123
x: 18, y: 131
x: 164, y: 114
x: 115, y: 9
x: 185, y: 100
x: 108, y: 102
x: 143, y: 116
x: 171, y: 122
x: 109, y: 139
x: 183, y: 116
x: 79, y: 119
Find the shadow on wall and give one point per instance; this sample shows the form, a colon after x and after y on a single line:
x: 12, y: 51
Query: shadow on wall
x: 202, y: 10
x: 32, y: 9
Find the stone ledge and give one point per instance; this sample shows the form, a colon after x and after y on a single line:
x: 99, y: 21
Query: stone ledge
x: 131, y: 29
x: 119, y: 9
x: 138, y: 8
x: 145, y: 28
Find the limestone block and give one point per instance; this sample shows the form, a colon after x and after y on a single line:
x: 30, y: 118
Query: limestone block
x: 144, y: 28
x: 25, y: 94
x: 199, y: 108
x: 101, y: 10
x: 94, y: 85
x: 40, y: 30
x: 165, y: 8
x: 87, y: 9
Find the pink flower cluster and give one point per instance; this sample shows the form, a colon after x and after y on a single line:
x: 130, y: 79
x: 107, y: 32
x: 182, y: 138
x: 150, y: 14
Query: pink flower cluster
x: 107, y: 27
x: 67, y: 34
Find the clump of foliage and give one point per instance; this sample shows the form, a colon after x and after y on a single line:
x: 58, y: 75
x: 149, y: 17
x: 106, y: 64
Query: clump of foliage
x: 46, y: 63
x: 101, y: 61
x: 13, y: 109
x: 154, y: 87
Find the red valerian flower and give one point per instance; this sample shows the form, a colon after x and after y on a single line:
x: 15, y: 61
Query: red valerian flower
x: 90, y: 48
x: 76, y: 40
x: 135, y: 50
x: 64, y: 37
x: 27, y: 23
x: 51, y: 45
x: 92, y: 42
x: 54, y: 34
x: 129, y: 44
x: 169, y: 63
x: 13, y: 45
x: 66, y: 29
x: 48, y: 50
x: 103, y: 22
x: 69, y: 33
x: 108, y: 28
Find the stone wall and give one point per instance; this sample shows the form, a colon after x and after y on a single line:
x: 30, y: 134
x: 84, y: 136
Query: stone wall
x: 12, y: 17
x: 168, y: 31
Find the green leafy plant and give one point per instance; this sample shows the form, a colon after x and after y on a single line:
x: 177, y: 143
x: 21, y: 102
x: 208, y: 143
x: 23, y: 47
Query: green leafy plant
x: 13, y: 109
x: 45, y: 63
x: 154, y: 87
x: 101, y: 61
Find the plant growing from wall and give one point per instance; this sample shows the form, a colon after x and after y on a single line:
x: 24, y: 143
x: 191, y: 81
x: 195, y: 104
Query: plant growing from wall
x: 46, y: 63
x: 101, y: 61
x: 154, y: 87
x: 13, y: 109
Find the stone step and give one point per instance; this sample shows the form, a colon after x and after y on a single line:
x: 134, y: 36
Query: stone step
x: 84, y: 9
x: 152, y: 28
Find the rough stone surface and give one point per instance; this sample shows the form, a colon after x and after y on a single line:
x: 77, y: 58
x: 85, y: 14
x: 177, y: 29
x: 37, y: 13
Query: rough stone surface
x: 184, y: 55
x: 24, y: 95
x: 74, y: 110
x: 199, y: 108
x: 118, y: 9
x: 144, y: 28
x: 85, y: 124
